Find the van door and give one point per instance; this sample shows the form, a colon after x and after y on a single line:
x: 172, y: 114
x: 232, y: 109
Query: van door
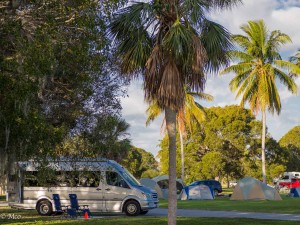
x: 115, y: 190
x: 90, y: 191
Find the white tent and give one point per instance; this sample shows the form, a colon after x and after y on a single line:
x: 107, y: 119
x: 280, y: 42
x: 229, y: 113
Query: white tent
x: 249, y: 188
x: 147, y: 182
x: 161, y: 185
x: 197, y: 192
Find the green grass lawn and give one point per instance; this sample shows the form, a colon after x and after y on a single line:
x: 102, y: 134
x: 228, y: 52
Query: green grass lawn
x: 287, y: 205
x: 30, y: 217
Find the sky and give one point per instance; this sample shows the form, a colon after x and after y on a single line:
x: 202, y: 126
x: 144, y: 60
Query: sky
x: 280, y: 15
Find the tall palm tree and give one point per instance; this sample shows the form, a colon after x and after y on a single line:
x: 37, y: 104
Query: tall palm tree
x: 172, y: 44
x: 191, y: 111
x: 259, y: 66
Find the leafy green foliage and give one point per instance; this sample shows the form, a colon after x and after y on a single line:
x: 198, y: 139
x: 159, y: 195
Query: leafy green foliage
x: 140, y: 163
x: 228, y: 141
x: 52, y: 54
x: 290, y: 142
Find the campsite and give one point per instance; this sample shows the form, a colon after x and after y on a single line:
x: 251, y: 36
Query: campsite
x: 149, y: 112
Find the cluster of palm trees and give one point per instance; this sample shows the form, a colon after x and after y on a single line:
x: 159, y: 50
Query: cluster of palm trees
x: 173, y: 45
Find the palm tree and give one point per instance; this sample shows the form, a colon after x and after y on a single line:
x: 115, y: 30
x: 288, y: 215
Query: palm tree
x: 296, y: 58
x: 172, y: 44
x: 259, y: 65
x: 191, y: 110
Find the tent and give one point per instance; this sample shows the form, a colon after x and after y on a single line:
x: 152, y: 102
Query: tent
x: 161, y: 185
x: 147, y: 182
x: 197, y: 192
x: 249, y: 188
x: 295, y: 192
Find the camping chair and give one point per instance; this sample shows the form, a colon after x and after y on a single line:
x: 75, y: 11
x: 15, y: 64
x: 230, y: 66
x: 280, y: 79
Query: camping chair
x: 65, y: 210
x: 81, y: 210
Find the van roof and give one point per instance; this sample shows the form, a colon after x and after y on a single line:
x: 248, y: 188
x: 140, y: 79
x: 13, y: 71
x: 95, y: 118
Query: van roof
x: 67, y: 165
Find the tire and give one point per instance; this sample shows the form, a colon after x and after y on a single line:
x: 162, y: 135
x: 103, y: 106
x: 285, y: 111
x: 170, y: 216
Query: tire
x: 44, y: 208
x: 132, y: 208
x: 143, y: 212
x: 216, y: 193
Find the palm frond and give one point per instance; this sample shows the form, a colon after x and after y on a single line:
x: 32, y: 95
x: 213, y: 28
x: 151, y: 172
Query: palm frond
x: 153, y: 111
x: 296, y: 58
x: 242, y: 56
x: 202, y: 96
x: 287, y: 80
x: 288, y: 65
x: 194, y: 10
x: 178, y: 41
x: 243, y: 41
x: 217, y: 42
x: 224, y: 4
x: 246, y: 84
x: 241, y: 67
x: 132, y: 39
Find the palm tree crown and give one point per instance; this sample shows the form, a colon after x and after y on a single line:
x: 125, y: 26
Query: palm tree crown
x: 259, y: 65
x: 172, y: 43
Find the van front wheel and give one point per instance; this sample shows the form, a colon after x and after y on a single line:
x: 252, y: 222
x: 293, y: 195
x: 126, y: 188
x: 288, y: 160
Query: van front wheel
x: 132, y: 208
x: 44, y: 208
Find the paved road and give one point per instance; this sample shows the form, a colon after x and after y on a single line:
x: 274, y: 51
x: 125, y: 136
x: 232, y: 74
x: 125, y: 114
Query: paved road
x: 225, y: 214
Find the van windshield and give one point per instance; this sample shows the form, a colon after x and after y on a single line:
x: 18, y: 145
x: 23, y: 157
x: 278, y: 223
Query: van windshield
x: 130, y: 178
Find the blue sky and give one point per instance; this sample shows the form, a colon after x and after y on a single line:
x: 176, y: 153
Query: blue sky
x: 280, y: 15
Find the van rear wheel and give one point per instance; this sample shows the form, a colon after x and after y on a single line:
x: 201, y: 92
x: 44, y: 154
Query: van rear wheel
x: 44, y: 208
x: 132, y: 208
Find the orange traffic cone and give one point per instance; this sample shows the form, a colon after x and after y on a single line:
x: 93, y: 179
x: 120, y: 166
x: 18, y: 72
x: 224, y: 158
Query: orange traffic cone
x: 86, y: 215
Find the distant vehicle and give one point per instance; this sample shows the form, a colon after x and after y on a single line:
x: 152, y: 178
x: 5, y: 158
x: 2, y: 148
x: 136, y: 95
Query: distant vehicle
x: 286, y: 179
x: 214, y: 185
x: 295, y: 182
x: 102, y: 184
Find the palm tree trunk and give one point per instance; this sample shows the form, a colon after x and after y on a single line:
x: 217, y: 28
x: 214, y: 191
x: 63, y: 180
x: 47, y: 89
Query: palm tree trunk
x: 182, y: 155
x: 263, y: 146
x: 172, y: 197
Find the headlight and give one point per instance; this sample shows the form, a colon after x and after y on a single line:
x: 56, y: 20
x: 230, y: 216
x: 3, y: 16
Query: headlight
x: 146, y: 195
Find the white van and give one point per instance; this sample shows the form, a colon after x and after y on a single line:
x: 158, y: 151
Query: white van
x: 103, y: 185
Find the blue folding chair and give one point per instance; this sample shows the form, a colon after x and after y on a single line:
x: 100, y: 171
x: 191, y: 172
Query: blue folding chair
x: 65, y: 210
x: 80, y: 209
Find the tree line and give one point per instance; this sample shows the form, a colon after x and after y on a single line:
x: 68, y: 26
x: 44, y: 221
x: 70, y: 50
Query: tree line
x: 227, y: 145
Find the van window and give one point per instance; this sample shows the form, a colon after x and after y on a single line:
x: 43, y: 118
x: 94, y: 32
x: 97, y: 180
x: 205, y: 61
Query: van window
x: 130, y: 178
x: 114, y: 179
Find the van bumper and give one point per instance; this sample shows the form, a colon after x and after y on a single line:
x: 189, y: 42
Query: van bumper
x: 145, y: 205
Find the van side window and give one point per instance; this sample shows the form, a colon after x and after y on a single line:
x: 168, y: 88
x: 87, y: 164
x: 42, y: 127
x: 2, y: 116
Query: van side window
x: 114, y: 179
